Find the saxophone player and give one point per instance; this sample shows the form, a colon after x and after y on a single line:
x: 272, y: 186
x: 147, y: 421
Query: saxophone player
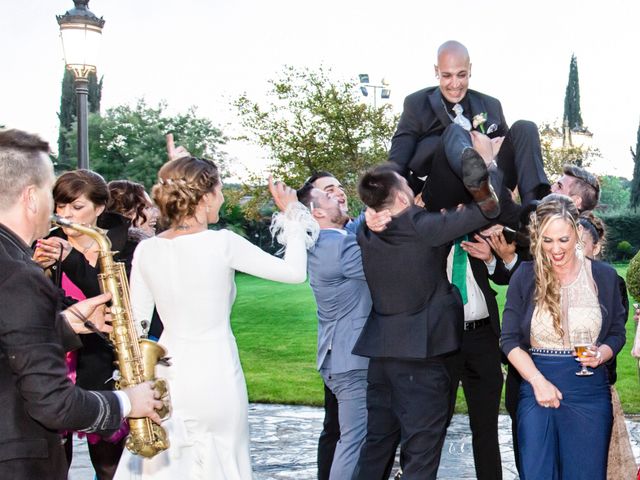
x: 38, y: 398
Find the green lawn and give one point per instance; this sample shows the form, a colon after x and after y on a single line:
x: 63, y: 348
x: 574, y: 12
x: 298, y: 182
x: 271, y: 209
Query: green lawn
x: 275, y: 326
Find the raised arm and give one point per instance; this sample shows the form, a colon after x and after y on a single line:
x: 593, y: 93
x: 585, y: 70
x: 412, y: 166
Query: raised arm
x: 438, y: 228
x: 351, y: 258
x: 248, y: 258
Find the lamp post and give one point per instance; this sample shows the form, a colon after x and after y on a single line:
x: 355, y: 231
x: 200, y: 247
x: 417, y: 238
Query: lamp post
x: 81, y: 33
x: 385, y: 90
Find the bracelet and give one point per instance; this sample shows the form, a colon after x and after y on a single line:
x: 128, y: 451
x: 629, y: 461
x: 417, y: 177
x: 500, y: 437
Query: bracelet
x: 534, y: 377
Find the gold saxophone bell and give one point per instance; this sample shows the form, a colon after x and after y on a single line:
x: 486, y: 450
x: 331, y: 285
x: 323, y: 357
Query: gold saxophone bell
x: 136, y: 358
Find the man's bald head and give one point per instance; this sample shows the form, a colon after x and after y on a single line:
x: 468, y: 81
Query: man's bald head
x: 453, y: 70
x: 453, y: 47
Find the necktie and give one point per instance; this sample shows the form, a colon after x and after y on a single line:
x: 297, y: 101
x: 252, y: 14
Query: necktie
x: 461, y: 119
x: 459, y: 268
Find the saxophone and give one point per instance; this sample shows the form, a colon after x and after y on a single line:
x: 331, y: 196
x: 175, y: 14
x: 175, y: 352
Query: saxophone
x: 136, y: 357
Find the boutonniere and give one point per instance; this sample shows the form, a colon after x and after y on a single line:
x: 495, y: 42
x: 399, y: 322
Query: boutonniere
x: 478, y: 121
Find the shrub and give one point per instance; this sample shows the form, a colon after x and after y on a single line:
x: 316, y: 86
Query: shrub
x: 633, y: 277
x: 620, y: 227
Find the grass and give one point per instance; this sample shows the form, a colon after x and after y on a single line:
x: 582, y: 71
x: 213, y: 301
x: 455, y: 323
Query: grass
x: 275, y: 326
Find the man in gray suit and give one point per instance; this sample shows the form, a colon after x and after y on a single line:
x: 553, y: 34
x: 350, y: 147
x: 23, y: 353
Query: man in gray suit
x: 344, y: 303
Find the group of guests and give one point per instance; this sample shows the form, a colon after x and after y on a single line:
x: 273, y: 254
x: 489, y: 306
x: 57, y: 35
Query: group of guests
x: 405, y: 309
x: 434, y: 323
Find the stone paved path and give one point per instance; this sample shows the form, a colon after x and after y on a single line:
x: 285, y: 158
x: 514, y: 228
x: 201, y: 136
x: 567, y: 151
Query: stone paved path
x: 284, y: 440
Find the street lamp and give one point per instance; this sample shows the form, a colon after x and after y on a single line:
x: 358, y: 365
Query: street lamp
x: 81, y: 34
x: 385, y: 91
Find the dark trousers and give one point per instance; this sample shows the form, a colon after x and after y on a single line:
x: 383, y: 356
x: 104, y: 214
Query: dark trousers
x: 329, y: 436
x: 477, y: 365
x: 519, y: 159
x: 511, y: 398
x: 407, y: 403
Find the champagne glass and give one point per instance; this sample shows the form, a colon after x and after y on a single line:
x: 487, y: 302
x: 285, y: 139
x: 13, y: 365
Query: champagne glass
x: 581, y: 343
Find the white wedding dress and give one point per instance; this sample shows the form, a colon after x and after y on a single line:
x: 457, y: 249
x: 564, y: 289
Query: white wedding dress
x: 190, y: 280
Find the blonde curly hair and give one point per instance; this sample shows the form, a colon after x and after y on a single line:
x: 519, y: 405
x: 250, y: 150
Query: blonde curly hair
x: 181, y: 185
x: 547, y: 292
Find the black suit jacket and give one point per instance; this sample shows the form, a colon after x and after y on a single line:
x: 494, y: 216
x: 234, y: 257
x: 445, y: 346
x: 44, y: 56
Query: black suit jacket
x: 36, y: 396
x: 417, y: 147
x: 416, y: 312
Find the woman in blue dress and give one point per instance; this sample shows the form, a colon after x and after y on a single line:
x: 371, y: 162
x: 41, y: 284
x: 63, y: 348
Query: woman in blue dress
x: 564, y: 420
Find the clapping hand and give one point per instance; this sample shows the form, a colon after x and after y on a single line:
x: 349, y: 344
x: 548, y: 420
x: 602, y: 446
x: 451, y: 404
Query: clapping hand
x: 506, y: 251
x: 282, y: 194
x: 479, y: 249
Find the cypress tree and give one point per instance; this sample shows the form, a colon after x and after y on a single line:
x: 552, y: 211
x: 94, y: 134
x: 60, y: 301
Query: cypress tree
x: 95, y: 93
x: 634, y: 200
x: 572, y: 114
x: 67, y: 114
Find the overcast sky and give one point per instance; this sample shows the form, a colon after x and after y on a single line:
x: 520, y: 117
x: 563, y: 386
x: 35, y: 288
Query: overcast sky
x: 206, y: 52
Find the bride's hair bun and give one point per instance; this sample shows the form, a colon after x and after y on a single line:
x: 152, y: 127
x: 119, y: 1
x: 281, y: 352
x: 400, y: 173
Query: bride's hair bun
x: 181, y: 185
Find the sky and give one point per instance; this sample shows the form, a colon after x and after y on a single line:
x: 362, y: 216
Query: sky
x: 207, y: 52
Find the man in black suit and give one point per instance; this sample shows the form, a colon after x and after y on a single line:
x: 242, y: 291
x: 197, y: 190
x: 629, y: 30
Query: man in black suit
x: 415, y: 321
x: 437, y: 124
x: 37, y: 397
x: 434, y: 129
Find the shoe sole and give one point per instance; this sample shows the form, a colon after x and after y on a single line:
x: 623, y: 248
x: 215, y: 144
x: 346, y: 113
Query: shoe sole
x: 474, y: 170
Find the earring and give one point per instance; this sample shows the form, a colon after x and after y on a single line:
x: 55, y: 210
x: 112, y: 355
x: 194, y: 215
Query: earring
x: 206, y: 208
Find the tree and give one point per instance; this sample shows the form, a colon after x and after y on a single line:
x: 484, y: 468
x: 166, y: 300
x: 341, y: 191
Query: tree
x: 311, y: 123
x: 67, y: 114
x: 635, y: 182
x: 129, y: 142
x: 572, y: 115
x: 555, y: 153
x: 614, y: 192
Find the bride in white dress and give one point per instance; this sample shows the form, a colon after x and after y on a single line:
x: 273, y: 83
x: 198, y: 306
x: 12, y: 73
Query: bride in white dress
x: 187, y: 272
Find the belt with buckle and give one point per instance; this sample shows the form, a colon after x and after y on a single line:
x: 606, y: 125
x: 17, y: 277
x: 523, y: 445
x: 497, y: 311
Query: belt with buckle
x: 475, y: 324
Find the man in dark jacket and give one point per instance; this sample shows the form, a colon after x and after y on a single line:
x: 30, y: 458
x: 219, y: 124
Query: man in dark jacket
x: 415, y: 321
x: 37, y: 397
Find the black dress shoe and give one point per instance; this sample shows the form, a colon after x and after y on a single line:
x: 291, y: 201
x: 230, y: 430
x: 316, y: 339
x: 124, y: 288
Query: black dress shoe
x: 475, y: 177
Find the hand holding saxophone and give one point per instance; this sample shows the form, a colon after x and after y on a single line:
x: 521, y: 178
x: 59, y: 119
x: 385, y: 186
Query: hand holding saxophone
x: 93, y: 311
x: 144, y: 401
